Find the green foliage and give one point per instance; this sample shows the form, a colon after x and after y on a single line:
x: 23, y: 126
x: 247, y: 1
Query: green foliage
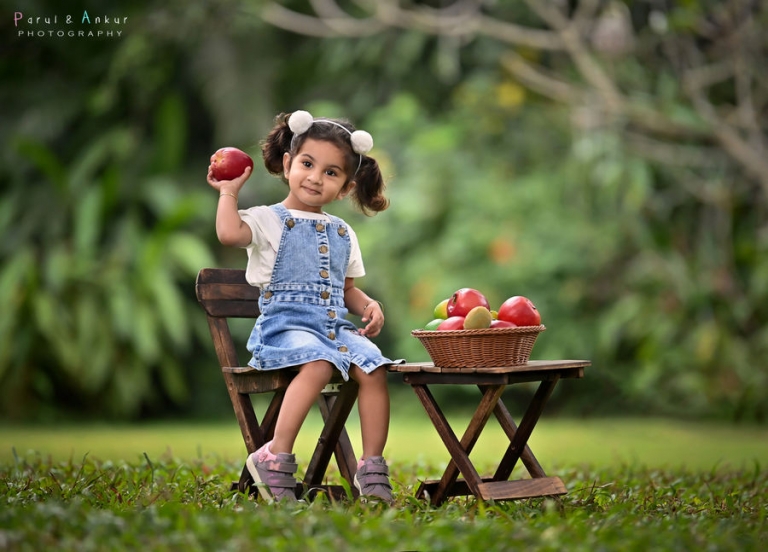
x: 170, y: 504
x: 93, y: 291
x: 102, y: 240
x: 653, y: 269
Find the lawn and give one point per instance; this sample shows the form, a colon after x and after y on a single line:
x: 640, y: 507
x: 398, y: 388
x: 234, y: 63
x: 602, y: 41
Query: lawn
x: 655, y: 443
x: 633, y: 485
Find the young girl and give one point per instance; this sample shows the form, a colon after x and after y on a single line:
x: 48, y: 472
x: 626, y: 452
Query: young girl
x: 305, y: 262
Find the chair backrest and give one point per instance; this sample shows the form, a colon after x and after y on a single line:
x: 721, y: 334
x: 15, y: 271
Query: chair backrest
x: 224, y: 293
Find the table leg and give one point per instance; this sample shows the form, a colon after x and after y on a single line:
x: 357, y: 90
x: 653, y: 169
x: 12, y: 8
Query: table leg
x: 519, y: 440
x: 509, y: 427
x: 459, y: 450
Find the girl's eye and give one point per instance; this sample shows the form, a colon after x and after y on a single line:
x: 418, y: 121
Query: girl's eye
x: 330, y: 172
x: 307, y: 164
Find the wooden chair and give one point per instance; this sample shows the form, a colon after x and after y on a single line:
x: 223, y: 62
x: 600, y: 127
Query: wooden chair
x: 223, y: 294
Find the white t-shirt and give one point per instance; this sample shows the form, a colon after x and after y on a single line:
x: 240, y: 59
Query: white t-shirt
x: 266, y: 231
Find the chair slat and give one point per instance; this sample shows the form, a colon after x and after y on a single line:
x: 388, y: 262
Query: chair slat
x: 231, y: 309
x: 221, y: 276
x: 240, y: 292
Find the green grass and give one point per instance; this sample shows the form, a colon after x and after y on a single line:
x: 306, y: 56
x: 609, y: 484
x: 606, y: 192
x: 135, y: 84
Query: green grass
x: 168, y: 504
x: 655, y: 443
x: 633, y: 485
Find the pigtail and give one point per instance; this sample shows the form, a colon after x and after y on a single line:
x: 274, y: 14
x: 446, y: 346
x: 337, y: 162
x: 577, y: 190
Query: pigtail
x: 369, y: 192
x: 277, y: 142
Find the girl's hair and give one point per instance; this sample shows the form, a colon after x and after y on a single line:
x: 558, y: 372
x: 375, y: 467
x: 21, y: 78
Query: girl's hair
x: 368, y: 194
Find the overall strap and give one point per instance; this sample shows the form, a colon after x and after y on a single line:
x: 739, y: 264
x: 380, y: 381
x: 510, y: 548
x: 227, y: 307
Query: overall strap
x: 281, y: 211
x: 335, y: 220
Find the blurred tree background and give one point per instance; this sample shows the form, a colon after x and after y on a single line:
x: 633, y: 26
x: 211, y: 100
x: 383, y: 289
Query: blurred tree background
x: 606, y: 159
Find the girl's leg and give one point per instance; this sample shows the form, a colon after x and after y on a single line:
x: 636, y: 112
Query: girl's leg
x: 373, y: 406
x: 299, y: 398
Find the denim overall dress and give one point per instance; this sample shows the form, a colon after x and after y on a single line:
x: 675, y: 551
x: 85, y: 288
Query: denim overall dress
x: 302, y: 309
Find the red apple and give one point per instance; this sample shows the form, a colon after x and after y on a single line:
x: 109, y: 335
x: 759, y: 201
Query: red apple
x: 452, y: 323
x: 503, y: 324
x: 519, y: 310
x: 229, y: 163
x: 464, y: 300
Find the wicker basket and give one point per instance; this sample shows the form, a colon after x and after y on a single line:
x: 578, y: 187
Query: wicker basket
x: 479, y: 348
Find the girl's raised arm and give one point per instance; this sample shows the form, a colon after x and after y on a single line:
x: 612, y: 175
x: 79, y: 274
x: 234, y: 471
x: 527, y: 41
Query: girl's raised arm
x: 230, y: 228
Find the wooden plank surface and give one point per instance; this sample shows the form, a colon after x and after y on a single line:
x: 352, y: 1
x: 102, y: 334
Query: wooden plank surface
x: 484, y: 378
x: 499, y: 490
x: 230, y: 292
x: 522, y: 488
x: 530, y: 366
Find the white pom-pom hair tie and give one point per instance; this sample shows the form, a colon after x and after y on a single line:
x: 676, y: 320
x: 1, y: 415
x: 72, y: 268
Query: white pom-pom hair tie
x: 300, y: 121
x: 361, y: 141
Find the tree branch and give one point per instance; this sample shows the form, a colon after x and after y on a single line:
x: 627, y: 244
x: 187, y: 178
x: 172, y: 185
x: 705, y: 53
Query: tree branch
x: 538, y: 81
x: 574, y: 45
x: 669, y: 153
x: 465, y: 19
x: 753, y: 160
x: 308, y: 25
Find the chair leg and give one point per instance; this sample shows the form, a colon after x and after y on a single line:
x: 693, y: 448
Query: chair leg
x: 334, y: 438
x: 343, y: 452
x: 245, y: 483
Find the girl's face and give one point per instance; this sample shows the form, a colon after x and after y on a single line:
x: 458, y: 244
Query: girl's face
x: 316, y: 176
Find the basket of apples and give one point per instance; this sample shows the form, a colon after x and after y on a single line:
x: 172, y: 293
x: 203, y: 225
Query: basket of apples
x: 466, y: 333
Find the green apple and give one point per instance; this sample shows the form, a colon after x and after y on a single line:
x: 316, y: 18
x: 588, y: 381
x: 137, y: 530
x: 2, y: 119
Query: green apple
x: 433, y: 324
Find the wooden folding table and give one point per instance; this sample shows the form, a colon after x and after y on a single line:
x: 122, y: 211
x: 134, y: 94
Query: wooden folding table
x: 491, y: 382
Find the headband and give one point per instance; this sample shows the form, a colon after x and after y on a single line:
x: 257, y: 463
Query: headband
x: 361, y: 141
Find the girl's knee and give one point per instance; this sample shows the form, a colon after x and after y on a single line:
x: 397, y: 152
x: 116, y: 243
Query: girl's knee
x: 319, y: 370
x: 378, y: 377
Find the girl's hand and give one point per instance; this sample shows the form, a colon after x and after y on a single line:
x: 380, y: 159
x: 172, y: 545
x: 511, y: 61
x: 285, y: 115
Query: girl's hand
x: 374, y: 316
x: 232, y: 186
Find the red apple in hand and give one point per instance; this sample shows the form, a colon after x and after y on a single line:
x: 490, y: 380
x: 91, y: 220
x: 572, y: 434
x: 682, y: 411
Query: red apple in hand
x: 229, y: 163
x: 464, y: 300
x: 519, y: 310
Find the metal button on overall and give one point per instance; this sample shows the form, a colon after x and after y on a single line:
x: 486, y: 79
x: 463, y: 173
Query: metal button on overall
x: 343, y: 349
x: 290, y: 223
x: 323, y: 249
x: 267, y: 294
x: 325, y: 295
x: 342, y: 231
x: 331, y: 314
x: 331, y: 335
x: 320, y: 227
x: 324, y: 273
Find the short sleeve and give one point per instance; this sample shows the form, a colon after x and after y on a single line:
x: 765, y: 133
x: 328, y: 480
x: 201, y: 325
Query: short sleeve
x: 356, y: 269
